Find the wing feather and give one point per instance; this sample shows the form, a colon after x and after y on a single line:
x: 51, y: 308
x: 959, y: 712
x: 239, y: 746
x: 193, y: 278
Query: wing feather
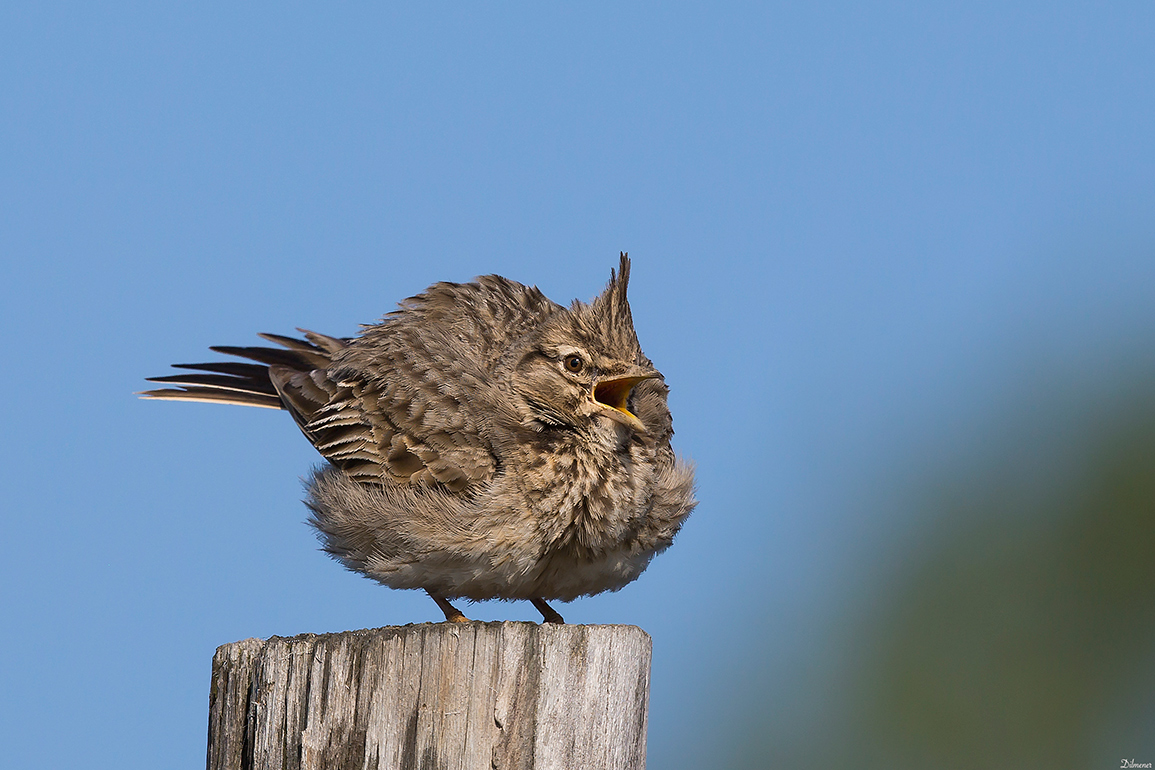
x: 408, y: 401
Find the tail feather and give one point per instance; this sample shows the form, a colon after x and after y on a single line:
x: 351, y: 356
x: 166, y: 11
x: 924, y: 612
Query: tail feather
x: 219, y: 381
x: 270, y: 356
x: 235, y: 368
x: 214, y: 395
x: 305, y: 350
x: 324, y: 341
x: 235, y: 382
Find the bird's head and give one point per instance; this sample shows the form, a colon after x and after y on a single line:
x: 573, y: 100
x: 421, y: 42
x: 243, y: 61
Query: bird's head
x: 582, y: 365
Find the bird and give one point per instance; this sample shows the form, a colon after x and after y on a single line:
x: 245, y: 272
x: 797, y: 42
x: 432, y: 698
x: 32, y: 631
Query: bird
x: 479, y: 442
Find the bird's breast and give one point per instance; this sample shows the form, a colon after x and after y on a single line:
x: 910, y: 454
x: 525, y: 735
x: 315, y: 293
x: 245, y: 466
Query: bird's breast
x: 585, y: 497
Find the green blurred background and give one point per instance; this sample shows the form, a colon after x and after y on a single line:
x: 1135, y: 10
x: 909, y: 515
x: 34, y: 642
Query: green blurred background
x: 1010, y: 621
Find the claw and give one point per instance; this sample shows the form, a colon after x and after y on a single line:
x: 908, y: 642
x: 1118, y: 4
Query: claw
x: 452, y: 614
x: 549, y: 614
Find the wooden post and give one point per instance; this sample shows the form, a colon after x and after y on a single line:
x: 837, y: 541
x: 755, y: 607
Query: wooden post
x: 435, y: 695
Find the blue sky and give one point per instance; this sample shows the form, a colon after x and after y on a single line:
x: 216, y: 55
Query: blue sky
x: 859, y: 232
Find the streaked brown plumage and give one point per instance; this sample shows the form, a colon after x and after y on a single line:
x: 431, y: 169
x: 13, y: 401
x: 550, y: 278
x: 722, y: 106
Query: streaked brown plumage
x: 482, y: 441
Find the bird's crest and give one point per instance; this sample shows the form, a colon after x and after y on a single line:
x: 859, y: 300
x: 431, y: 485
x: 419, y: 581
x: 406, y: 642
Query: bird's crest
x: 608, y: 317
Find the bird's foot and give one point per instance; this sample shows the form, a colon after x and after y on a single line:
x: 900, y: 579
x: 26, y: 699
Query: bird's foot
x: 549, y: 614
x: 452, y: 614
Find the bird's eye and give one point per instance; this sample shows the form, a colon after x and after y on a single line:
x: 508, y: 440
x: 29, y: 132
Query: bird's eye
x: 574, y: 363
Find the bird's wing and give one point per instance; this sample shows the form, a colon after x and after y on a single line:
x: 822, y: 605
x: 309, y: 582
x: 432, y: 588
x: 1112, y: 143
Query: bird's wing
x: 398, y: 410
x: 372, y: 432
x: 410, y: 399
x: 412, y: 396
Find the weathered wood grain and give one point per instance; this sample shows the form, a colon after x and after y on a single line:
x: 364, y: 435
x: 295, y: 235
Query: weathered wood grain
x: 433, y: 696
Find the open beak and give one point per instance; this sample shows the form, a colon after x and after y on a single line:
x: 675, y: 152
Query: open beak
x: 612, y: 395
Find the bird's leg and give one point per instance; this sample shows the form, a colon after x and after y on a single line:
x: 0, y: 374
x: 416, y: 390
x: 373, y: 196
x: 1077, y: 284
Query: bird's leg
x: 547, y: 612
x: 452, y: 614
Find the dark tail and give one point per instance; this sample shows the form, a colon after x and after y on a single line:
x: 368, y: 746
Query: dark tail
x: 233, y: 382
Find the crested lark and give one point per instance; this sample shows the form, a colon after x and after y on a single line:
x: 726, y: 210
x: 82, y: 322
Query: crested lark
x: 482, y: 441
